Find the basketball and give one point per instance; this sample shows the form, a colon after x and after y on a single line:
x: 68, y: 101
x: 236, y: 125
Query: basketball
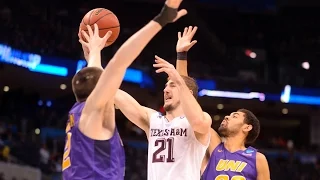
x: 106, y: 21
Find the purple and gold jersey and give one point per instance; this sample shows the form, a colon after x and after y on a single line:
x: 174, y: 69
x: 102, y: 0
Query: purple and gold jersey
x: 89, y: 159
x: 224, y: 165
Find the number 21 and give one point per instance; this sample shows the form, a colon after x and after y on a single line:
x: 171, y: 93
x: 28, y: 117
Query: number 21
x: 164, y: 144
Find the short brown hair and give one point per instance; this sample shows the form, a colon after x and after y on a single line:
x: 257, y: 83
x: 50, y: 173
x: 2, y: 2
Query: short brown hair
x: 192, y: 85
x: 250, y: 118
x: 85, y: 81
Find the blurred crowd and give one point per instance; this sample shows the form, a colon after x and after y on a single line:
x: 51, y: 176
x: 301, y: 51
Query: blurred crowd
x: 281, y: 41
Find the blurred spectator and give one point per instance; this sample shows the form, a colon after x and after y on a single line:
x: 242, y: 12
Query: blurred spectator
x: 44, y: 154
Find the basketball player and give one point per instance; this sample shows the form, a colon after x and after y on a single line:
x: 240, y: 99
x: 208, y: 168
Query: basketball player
x: 177, y: 140
x: 93, y: 147
x: 231, y: 160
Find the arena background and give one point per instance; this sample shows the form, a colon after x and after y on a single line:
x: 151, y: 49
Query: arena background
x: 261, y: 55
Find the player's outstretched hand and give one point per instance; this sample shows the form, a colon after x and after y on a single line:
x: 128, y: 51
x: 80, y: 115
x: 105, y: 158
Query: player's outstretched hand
x: 175, y: 5
x: 184, y: 39
x: 84, y: 48
x: 93, y: 40
x: 164, y: 66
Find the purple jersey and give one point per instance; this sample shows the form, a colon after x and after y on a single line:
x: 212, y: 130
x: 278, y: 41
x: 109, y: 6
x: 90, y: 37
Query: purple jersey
x: 224, y: 165
x: 89, y: 159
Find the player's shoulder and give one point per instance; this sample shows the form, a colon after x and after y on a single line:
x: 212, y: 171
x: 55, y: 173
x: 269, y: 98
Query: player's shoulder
x: 261, y: 158
x: 207, y: 118
x: 150, y: 111
x: 155, y: 115
x: 263, y: 171
x: 206, y: 115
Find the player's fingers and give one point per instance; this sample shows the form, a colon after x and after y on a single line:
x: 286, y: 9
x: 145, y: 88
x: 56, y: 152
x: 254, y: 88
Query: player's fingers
x: 193, y: 43
x: 181, y: 13
x: 84, y: 44
x: 161, y: 70
x: 96, y: 29
x: 189, y: 30
x: 160, y: 60
x: 194, y: 30
x: 85, y: 35
x: 179, y: 35
x: 159, y: 65
x: 185, y: 31
x: 79, y: 34
x: 90, y: 30
x: 107, y: 35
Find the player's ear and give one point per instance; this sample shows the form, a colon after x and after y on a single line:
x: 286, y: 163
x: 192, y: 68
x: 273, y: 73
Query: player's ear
x: 248, y: 127
x: 191, y: 92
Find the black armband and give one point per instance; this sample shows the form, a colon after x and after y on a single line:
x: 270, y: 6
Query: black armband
x: 166, y: 15
x: 182, y: 55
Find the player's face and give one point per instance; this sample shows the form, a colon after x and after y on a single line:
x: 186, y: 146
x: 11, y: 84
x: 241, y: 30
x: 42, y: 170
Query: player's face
x: 170, y: 96
x: 232, y: 124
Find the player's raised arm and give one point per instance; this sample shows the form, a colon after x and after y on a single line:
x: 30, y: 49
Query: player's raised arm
x: 94, y: 62
x: 183, y: 46
x: 137, y: 114
x: 113, y: 74
x: 200, y: 121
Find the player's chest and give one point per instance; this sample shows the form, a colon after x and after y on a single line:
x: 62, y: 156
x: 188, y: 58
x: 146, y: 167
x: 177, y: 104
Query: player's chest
x: 178, y: 131
x: 232, y: 166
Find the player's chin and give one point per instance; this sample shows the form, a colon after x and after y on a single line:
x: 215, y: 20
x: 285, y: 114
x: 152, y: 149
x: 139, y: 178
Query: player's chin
x: 167, y: 106
x: 222, y: 130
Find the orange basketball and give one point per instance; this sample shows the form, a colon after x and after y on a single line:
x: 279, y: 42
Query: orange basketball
x: 106, y: 21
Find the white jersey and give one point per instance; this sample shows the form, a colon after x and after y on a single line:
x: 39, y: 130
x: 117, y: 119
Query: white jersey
x: 174, y: 153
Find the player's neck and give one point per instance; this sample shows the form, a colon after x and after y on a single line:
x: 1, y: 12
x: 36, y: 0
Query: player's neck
x: 233, y: 144
x: 170, y: 115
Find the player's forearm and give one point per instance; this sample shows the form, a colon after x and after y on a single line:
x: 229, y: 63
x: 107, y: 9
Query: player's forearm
x: 131, y: 109
x: 190, y: 106
x: 117, y: 66
x: 94, y: 59
x: 182, y: 67
x: 135, y: 44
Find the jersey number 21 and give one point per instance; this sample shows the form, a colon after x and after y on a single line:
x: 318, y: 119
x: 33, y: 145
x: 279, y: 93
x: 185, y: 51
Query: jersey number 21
x: 163, y: 144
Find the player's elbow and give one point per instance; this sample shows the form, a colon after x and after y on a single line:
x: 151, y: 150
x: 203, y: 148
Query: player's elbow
x: 201, y: 125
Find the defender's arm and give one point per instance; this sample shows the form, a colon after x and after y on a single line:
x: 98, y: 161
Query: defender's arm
x: 183, y: 46
x: 215, y: 140
x: 200, y: 121
x: 137, y: 114
x: 113, y: 74
x: 182, y: 67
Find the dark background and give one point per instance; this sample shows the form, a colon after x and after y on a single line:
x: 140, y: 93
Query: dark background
x: 283, y: 34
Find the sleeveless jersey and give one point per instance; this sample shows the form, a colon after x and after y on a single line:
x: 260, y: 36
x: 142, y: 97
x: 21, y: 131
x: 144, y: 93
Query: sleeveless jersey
x: 88, y: 159
x: 174, y: 153
x: 224, y: 165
